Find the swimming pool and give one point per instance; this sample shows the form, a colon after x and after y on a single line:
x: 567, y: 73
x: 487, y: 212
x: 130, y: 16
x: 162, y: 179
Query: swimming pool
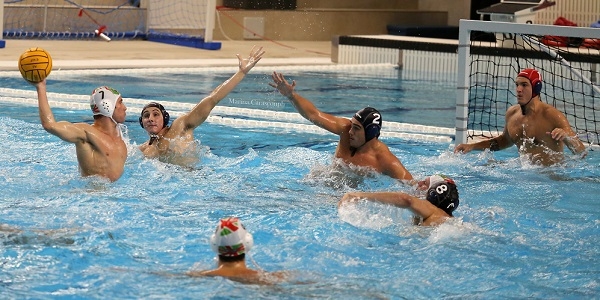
x: 521, y: 231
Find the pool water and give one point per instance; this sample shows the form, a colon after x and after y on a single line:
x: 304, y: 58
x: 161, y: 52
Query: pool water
x: 520, y: 231
x: 337, y: 90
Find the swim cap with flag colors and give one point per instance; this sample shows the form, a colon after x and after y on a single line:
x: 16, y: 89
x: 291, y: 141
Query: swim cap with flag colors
x: 442, y: 193
x: 534, y: 78
x: 103, y: 101
x: 231, y: 238
x: 371, y: 121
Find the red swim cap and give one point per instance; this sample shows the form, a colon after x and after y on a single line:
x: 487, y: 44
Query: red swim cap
x: 535, y: 78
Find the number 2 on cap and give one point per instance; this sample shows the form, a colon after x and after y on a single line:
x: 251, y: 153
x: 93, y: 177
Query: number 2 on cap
x: 376, y: 119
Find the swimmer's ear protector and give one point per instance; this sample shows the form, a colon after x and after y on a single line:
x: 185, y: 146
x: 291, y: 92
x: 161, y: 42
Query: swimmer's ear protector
x: 537, y: 88
x: 371, y: 121
x: 442, y: 193
x: 231, y: 238
x: 163, y: 111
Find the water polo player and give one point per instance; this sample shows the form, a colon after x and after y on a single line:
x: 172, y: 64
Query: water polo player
x: 175, y: 143
x: 538, y: 129
x: 100, y: 148
x: 370, y: 120
x: 359, y: 144
x: 231, y: 242
x: 441, y: 199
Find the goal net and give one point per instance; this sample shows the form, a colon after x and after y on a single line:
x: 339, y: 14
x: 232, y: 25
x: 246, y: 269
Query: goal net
x: 568, y: 59
x: 181, y: 22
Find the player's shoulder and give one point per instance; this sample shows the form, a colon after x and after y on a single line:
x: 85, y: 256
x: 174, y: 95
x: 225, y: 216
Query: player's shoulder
x: 549, y: 108
x: 551, y: 112
x: 344, y: 120
x: 384, y: 155
x: 84, y: 126
x: 380, y: 148
x: 513, y: 109
x: 344, y: 125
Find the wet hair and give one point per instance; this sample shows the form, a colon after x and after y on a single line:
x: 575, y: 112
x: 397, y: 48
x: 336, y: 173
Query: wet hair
x: 224, y: 258
x: 444, y: 195
x: 371, y: 121
x: 162, y: 109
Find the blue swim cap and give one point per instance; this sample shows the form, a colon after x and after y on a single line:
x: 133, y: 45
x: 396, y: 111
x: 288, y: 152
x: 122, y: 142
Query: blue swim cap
x: 371, y: 121
x: 442, y: 193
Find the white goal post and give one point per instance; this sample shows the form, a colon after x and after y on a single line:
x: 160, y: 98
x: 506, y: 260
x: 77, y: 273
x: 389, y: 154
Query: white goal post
x: 2, y: 43
x: 517, y: 46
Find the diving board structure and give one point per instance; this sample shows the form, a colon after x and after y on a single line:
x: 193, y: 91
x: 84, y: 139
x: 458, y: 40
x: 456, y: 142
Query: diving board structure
x: 515, y: 11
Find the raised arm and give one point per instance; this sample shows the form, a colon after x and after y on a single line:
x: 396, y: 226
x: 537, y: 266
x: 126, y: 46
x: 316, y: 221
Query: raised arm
x: 201, y: 111
x: 306, y: 108
x: 66, y: 131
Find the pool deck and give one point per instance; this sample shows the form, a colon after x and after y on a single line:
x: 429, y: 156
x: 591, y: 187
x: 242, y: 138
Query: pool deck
x: 98, y: 54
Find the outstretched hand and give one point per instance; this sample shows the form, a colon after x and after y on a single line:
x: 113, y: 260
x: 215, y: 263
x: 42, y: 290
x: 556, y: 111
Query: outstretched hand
x: 284, y: 87
x: 247, y: 64
x: 463, y: 148
x: 347, y: 198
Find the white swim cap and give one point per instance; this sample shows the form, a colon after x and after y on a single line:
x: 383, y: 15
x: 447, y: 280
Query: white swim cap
x: 231, y: 238
x: 435, y: 179
x: 103, y: 101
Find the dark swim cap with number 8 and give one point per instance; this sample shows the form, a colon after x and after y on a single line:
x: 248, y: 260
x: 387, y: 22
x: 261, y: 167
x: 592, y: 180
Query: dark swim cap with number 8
x: 371, y: 121
x: 442, y: 192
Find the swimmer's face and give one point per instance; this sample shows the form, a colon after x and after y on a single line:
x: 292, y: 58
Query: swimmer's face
x: 524, y: 90
x: 152, y: 119
x: 357, y: 134
x: 120, y: 111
